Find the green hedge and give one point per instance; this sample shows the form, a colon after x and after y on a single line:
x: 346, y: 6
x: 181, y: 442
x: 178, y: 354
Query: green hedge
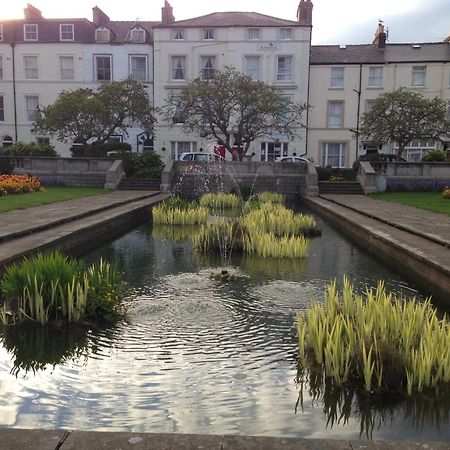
x: 31, y: 149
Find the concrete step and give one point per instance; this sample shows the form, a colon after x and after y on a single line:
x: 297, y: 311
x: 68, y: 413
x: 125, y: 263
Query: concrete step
x: 140, y: 184
x: 340, y: 187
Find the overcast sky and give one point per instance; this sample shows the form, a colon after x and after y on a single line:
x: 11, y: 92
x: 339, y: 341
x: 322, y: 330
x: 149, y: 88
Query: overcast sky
x: 335, y: 22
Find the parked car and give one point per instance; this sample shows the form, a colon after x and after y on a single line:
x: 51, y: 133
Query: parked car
x: 296, y: 159
x: 199, y: 156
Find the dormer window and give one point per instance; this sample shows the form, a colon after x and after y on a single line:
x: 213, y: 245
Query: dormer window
x: 254, y: 34
x: 285, y: 34
x: 30, y: 32
x: 102, y: 35
x: 208, y: 34
x: 178, y: 35
x: 66, y: 32
x: 137, y: 35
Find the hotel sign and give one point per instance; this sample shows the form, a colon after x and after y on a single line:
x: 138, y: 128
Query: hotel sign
x: 269, y: 46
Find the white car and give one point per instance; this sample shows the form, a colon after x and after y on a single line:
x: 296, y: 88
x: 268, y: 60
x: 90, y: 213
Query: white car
x: 296, y: 159
x: 199, y: 156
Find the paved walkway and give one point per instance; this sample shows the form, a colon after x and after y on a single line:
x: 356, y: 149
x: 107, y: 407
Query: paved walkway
x: 15, y: 439
x: 24, y: 221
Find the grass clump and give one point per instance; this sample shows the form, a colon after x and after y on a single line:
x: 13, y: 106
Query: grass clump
x: 269, y: 245
x: 51, y: 287
x: 176, y: 211
x: 375, y: 341
x: 216, y: 236
x: 271, y: 197
x: 219, y: 200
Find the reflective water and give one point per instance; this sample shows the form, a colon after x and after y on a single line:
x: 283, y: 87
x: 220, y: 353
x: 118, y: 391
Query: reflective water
x: 201, y: 356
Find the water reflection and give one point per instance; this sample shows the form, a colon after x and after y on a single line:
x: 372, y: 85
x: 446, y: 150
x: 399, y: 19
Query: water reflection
x: 374, y: 412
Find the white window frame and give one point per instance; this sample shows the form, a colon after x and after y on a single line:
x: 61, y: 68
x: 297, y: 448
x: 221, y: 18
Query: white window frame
x: 1, y: 32
x: 2, y: 108
x: 30, y: 72
x: 66, y: 73
x: 96, y: 78
x: 284, y: 74
x: 270, y: 150
x: 30, y: 114
x: 337, y: 75
x: 335, y: 120
x: 42, y: 140
x: 135, y: 57
x: 70, y: 33
x: 253, y: 34
x: 33, y: 33
x: 375, y: 79
x: 174, y: 70
x: 418, y: 76
x: 250, y: 71
x: 101, y: 30
x: 178, y: 34
x: 208, y: 34
x: 285, y: 34
x: 176, y: 151
x: 416, y: 150
x: 207, y: 72
x: 325, y: 156
x: 8, y: 140
x: 137, y: 34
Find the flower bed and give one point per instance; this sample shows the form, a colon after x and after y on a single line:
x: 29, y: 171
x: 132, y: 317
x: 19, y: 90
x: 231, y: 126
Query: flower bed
x: 19, y: 184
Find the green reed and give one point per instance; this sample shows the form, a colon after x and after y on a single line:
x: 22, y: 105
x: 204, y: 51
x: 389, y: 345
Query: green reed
x: 271, y: 197
x: 180, y: 216
x: 269, y: 245
x: 219, y: 200
x: 378, y: 341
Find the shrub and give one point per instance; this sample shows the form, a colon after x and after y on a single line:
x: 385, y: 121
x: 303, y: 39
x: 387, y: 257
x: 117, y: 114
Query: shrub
x: 19, y: 184
x: 378, y: 342
x: 336, y: 173
x: 100, y: 150
x: 31, y: 149
x: 6, y: 165
x: 142, y: 165
x: 435, y: 156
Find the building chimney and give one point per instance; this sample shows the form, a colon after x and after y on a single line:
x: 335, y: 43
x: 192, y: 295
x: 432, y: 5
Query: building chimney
x: 447, y: 39
x: 304, y: 12
x: 32, y: 13
x: 380, y: 36
x: 99, y: 18
x: 167, y: 13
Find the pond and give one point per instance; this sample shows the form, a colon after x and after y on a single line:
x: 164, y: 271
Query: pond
x: 199, y: 355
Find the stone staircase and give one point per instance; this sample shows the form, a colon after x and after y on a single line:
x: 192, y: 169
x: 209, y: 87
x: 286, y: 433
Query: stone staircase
x: 340, y: 187
x: 140, y: 184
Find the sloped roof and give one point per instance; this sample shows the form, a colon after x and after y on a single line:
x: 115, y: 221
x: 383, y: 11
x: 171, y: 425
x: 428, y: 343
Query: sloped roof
x: 121, y: 29
x: 370, y: 54
x: 231, y: 19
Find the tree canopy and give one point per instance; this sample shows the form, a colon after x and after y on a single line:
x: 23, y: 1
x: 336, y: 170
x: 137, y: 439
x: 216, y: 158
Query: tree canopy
x: 85, y: 114
x: 402, y: 116
x: 234, y: 109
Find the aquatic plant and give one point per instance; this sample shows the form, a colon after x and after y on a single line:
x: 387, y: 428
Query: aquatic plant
x: 377, y: 341
x: 219, y: 200
x: 218, y: 235
x: 175, y: 233
x: 276, y: 219
x: 51, y: 287
x: 269, y: 245
x: 271, y: 197
x: 194, y: 215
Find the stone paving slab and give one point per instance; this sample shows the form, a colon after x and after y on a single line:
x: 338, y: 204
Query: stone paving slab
x: 271, y: 443
x: 433, y: 226
x: 16, y: 439
x: 20, y: 222
x: 389, y: 445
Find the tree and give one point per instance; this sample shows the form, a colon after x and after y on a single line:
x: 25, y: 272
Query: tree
x: 234, y: 110
x: 86, y: 114
x: 403, y: 116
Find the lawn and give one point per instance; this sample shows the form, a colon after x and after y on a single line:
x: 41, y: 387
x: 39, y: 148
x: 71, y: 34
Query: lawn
x: 432, y: 201
x: 51, y: 195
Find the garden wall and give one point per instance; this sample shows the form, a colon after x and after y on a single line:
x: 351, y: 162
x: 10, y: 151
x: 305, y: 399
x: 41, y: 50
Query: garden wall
x: 192, y: 179
x: 91, y: 172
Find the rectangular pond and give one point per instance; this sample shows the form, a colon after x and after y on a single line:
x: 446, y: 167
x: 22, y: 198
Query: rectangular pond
x: 200, y: 355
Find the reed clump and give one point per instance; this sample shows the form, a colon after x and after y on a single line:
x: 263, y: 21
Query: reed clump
x: 271, y: 197
x: 52, y: 287
x: 376, y: 341
x: 270, y: 245
x: 219, y: 200
x: 191, y: 215
x: 221, y: 235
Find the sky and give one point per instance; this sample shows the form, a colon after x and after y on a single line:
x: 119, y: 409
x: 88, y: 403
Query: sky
x: 334, y: 21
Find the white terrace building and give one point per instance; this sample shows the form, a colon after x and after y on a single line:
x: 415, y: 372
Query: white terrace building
x: 345, y: 80
x: 272, y: 50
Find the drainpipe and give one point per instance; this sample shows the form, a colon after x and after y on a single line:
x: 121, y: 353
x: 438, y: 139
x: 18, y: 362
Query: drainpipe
x: 358, y: 111
x: 13, y: 44
x: 307, y: 95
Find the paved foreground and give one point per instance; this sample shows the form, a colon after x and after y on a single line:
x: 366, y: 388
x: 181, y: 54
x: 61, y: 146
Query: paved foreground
x: 15, y: 439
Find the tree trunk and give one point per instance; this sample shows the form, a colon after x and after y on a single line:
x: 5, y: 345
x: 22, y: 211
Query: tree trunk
x: 401, y: 148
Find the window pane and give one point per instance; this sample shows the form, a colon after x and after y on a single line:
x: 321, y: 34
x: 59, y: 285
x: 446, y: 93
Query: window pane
x: 208, y: 66
x: 208, y: 33
x: 285, y: 33
x: 32, y: 103
x: 333, y: 154
x: 284, y: 68
x: 253, y: 33
x: 66, y: 64
x: 139, y: 68
x: 31, y: 67
x: 103, y: 68
x: 178, y: 67
x: 418, y: 76
x: 337, y: 77
x: 66, y: 32
x: 178, y: 34
x: 335, y: 114
x: 30, y: 32
x: 375, y: 76
x: 252, y: 67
